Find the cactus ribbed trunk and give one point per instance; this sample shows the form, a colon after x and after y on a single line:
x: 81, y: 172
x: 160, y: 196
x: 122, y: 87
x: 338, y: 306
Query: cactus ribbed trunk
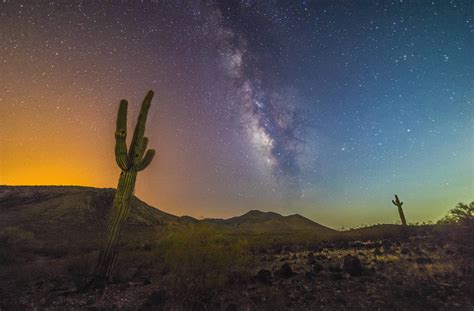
x: 402, y: 216
x: 121, y: 209
x: 131, y: 161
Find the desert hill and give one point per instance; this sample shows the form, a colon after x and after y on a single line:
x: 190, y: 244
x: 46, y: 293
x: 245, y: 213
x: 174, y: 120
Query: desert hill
x: 68, y: 215
x: 70, y: 218
x: 263, y: 222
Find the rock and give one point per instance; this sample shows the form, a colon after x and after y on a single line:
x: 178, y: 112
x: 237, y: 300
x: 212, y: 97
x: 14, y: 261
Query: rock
x: 146, y: 281
x: 341, y: 300
x: 317, y: 267
x: 329, y: 246
x: 277, y: 250
x: 156, y: 298
x: 432, y: 248
x: 418, y: 251
x: 336, y: 276
x: 264, y: 276
x: 288, y: 249
x: 356, y: 244
x: 449, y: 251
x: 321, y: 257
x: 386, y: 244
x: 236, y: 278
x: 311, y: 258
x: 423, y: 260
x: 334, y: 268
x: 310, y: 275
x: 371, y: 245
x: 353, y: 266
x: 285, y: 271
x: 263, y: 251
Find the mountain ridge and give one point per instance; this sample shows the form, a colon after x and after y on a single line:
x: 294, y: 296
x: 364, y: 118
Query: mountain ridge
x: 13, y: 196
x: 74, y: 218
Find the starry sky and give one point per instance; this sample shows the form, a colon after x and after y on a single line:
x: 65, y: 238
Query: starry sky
x: 322, y: 108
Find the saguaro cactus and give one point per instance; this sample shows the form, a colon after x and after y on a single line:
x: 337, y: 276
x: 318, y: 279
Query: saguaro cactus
x: 131, y: 162
x: 399, y: 204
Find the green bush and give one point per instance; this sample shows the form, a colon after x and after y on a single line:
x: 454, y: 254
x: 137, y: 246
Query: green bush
x: 203, y: 255
x: 459, y: 214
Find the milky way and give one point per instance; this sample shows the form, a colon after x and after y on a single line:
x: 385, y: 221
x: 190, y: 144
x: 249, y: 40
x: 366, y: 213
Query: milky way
x: 269, y: 117
x: 324, y: 108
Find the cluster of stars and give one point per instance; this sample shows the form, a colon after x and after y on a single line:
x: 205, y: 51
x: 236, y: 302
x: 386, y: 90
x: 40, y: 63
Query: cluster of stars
x: 290, y: 105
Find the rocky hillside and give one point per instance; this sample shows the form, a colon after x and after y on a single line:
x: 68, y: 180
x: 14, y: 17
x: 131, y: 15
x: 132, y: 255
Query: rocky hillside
x: 71, y: 215
x: 265, y: 222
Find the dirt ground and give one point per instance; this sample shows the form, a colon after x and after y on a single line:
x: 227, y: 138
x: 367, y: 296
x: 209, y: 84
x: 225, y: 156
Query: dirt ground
x: 421, y: 272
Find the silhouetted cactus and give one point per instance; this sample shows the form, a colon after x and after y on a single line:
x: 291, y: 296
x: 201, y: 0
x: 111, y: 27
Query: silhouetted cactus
x: 131, y: 162
x: 399, y: 204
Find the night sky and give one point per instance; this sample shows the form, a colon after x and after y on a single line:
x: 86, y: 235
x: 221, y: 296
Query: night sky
x: 323, y: 108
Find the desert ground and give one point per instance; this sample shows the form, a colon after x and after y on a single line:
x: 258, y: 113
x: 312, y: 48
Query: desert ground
x: 50, y: 236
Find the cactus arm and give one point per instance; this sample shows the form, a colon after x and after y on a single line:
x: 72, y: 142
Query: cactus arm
x: 143, y: 149
x: 120, y: 137
x: 137, y: 140
x: 146, y: 160
x: 397, y: 199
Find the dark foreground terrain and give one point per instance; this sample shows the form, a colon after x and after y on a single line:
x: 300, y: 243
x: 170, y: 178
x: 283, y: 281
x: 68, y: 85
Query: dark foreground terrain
x: 49, y: 240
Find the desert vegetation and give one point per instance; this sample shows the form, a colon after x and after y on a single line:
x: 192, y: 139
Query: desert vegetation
x: 399, y: 205
x: 254, y: 261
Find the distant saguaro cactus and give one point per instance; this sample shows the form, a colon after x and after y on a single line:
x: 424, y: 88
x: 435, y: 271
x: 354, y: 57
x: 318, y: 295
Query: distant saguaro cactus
x: 399, y: 204
x: 130, y: 163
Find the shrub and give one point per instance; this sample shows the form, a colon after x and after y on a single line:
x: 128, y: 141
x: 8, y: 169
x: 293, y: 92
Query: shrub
x: 203, y: 255
x: 13, y: 242
x: 461, y: 213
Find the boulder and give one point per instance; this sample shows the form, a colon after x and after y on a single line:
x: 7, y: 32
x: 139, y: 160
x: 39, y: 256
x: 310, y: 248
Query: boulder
x: 353, y: 266
x: 236, y: 278
x: 423, y: 260
x: 336, y: 276
x: 356, y: 244
x: 285, y: 271
x: 264, y: 276
x: 309, y: 275
x: 317, y: 267
x: 157, y: 298
x: 334, y: 268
